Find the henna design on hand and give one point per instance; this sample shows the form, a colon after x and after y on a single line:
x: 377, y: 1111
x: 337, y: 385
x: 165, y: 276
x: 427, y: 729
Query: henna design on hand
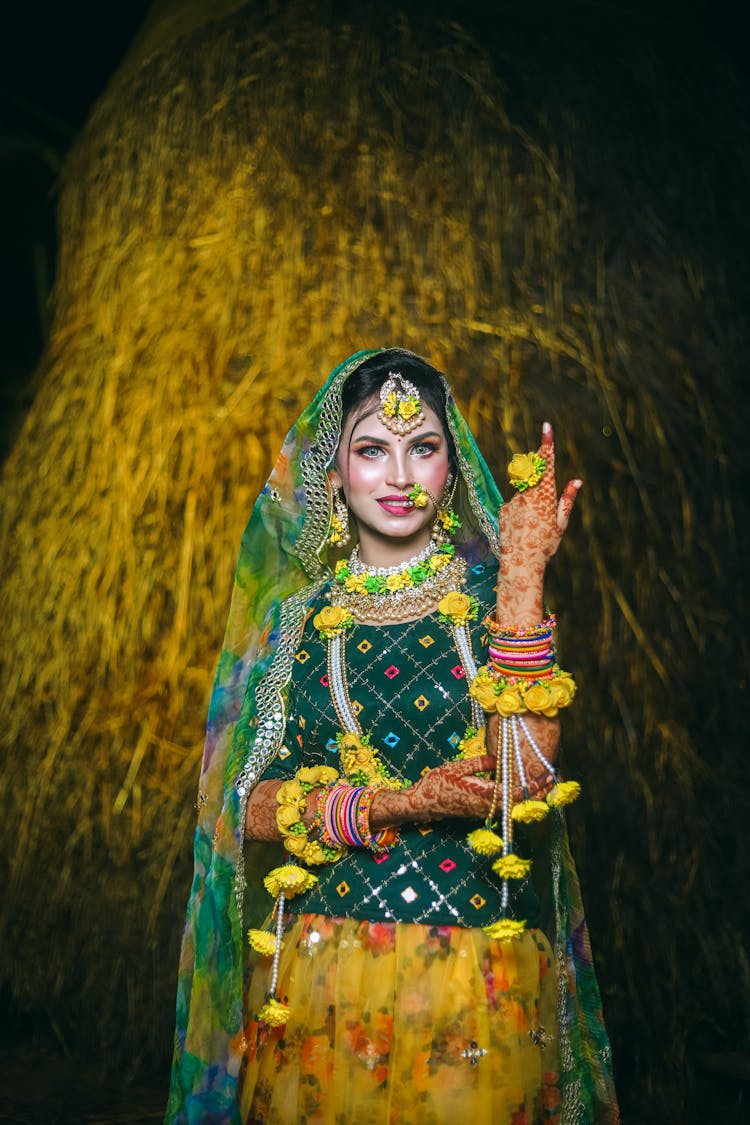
x: 532, y: 524
x: 453, y: 790
x: 260, y: 812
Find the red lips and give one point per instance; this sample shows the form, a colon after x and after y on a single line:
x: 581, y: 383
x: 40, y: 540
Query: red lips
x: 396, y: 505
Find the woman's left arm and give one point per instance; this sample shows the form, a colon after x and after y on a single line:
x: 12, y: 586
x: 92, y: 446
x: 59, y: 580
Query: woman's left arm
x: 532, y: 525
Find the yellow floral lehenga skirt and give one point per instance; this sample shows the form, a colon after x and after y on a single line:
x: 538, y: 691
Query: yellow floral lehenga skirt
x: 396, y: 1024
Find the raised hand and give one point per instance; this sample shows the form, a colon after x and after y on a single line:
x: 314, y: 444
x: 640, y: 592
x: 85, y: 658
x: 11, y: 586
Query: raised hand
x: 532, y: 524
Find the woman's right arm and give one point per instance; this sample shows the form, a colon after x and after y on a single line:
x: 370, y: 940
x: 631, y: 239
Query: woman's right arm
x: 260, y: 812
x: 451, y: 790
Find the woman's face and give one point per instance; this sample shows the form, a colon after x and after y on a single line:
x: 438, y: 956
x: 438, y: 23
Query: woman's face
x: 376, y: 468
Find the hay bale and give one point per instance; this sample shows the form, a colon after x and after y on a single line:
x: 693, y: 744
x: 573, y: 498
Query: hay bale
x: 246, y: 206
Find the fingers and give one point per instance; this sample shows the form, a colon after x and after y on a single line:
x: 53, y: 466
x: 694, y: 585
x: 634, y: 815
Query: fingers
x: 480, y: 764
x: 547, y: 448
x: 539, y: 787
x: 566, y: 502
x: 546, y: 489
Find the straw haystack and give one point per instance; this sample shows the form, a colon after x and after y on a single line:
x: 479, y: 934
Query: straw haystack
x: 255, y: 197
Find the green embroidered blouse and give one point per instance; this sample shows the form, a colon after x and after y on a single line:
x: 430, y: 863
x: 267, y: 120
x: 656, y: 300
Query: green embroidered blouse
x: 409, y: 690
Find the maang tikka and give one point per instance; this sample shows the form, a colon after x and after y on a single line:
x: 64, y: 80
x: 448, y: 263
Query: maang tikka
x: 400, y: 405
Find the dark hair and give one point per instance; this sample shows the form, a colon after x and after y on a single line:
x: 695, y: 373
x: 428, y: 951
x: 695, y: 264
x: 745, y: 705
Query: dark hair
x: 364, y: 384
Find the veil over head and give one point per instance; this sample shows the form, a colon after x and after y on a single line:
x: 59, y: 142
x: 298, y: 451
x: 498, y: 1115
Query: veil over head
x: 283, y: 564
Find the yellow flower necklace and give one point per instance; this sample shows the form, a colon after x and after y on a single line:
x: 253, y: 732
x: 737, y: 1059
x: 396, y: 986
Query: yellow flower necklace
x: 397, y: 593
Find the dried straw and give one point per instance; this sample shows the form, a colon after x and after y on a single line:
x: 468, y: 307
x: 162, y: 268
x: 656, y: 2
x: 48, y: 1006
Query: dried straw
x: 243, y: 209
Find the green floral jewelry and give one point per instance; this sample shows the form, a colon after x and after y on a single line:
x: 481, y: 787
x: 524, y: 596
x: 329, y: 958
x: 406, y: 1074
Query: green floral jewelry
x: 525, y: 470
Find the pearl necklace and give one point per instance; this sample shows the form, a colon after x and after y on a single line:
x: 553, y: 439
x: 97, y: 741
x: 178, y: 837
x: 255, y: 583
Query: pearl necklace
x: 397, y: 593
x: 357, y: 567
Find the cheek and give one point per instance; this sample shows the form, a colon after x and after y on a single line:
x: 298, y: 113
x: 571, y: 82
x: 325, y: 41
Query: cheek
x: 361, y: 476
x: 432, y: 473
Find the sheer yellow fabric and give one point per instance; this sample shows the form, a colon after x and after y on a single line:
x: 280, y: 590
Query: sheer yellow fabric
x: 409, y: 1024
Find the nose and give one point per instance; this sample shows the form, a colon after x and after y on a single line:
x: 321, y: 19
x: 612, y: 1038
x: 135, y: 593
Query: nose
x: 400, y: 474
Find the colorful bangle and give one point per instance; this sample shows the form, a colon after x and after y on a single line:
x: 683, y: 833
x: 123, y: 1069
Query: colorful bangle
x: 521, y: 667
x: 501, y: 650
x: 542, y: 661
x: 522, y: 644
x: 502, y: 672
x: 318, y: 827
x: 516, y: 632
x: 333, y: 815
x: 344, y: 818
x: 518, y: 654
x: 381, y: 841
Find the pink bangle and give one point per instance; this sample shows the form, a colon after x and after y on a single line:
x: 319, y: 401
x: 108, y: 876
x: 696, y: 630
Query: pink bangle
x: 530, y: 658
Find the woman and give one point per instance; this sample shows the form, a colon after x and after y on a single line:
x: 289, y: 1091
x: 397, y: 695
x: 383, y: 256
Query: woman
x: 426, y: 954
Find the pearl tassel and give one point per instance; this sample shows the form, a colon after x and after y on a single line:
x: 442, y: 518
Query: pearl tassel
x: 532, y: 742
x: 277, y: 952
x: 507, y: 820
x: 519, y: 756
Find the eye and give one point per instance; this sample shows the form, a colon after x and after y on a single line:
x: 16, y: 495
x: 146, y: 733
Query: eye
x: 371, y: 452
x: 423, y: 448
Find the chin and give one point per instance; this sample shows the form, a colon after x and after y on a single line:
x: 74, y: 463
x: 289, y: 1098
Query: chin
x: 399, y: 528
x: 400, y: 534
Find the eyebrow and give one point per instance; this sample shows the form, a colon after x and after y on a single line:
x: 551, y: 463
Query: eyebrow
x: 381, y: 440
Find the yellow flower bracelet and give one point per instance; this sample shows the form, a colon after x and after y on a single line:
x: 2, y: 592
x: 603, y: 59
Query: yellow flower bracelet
x: 513, y: 695
x: 290, y: 798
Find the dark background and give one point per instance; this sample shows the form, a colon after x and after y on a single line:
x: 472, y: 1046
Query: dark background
x: 55, y: 62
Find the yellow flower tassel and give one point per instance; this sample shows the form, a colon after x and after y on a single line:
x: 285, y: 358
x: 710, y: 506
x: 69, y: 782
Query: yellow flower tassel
x: 290, y: 879
x: 262, y: 942
x: 274, y: 1013
x: 511, y: 866
x: 527, y: 812
x: 484, y: 841
x: 505, y: 930
x: 564, y: 793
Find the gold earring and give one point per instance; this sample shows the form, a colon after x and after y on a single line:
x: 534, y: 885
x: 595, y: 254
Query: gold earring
x: 339, y: 534
x: 446, y: 522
